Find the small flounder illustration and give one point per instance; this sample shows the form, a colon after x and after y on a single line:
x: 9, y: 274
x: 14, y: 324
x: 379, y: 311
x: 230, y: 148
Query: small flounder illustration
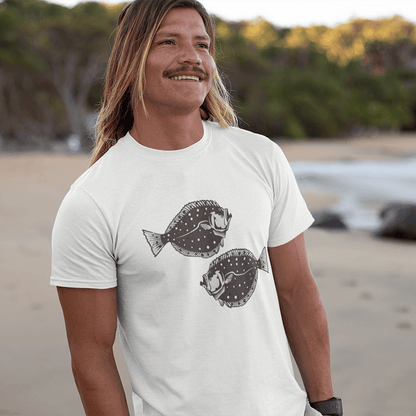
x: 232, y: 277
x: 197, y: 231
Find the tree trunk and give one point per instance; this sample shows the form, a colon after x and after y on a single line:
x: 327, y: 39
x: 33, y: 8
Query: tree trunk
x: 74, y: 98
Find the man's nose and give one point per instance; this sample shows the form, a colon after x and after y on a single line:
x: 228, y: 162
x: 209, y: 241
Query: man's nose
x: 189, y: 54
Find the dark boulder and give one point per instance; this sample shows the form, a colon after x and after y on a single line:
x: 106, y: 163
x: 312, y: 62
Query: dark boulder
x: 398, y: 221
x: 329, y: 220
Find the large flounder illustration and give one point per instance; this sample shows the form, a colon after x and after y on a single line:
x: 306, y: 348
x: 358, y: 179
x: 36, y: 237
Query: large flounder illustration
x: 197, y: 231
x: 232, y: 277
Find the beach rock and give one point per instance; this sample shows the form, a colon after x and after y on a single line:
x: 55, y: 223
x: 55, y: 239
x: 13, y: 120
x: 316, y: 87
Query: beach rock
x: 394, y: 206
x: 329, y: 220
x: 398, y: 221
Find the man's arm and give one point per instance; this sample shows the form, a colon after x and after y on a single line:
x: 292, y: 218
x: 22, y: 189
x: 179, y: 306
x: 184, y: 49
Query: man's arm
x: 303, y: 316
x: 91, y: 323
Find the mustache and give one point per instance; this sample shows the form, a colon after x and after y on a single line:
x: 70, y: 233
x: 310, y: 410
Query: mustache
x: 185, y: 68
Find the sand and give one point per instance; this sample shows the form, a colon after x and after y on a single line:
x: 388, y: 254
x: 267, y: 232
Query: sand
x: 368, y: 287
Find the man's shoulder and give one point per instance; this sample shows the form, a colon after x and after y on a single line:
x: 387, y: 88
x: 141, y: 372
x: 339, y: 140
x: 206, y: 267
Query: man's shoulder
x: 242, y: 137
x: 104, y: 173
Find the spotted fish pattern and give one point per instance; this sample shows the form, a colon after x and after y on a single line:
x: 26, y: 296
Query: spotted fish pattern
x: 231, y: 278
x: 198, y: 230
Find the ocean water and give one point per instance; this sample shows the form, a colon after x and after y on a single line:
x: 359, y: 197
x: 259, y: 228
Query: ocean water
x: 362, y: 187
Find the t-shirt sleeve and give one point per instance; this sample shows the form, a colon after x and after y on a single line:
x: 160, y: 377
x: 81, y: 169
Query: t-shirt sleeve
x: 82, y: 248
x: 290, y: 215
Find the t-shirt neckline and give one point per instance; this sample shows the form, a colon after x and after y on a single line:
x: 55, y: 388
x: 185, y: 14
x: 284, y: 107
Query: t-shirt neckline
x: 180, y: 154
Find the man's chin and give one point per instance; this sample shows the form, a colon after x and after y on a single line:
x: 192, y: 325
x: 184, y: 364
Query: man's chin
x: 184, y: 109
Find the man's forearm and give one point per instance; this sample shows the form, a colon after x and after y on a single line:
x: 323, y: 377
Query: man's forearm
x: 306, y: 327
x: 99, y: 383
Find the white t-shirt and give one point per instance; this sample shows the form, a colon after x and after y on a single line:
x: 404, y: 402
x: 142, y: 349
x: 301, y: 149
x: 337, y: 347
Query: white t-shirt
x: 184, y: 235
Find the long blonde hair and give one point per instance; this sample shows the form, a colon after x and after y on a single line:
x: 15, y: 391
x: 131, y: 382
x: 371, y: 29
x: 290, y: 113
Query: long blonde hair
x: 125, y: 78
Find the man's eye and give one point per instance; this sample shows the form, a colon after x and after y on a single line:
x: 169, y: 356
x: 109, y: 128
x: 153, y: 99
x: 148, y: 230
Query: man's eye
x: 203, y: 45
x: 166, y: 42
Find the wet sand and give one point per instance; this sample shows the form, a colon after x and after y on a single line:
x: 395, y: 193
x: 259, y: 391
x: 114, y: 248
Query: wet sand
x: 368, y: 287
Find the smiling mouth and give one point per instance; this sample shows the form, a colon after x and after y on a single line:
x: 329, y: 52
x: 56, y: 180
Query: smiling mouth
x: 185, y: 77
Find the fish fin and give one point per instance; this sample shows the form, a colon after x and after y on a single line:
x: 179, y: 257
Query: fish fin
x: 190, y: 253
x: 205, y: 226
x: 183, y: 251
x: 189, y: 207
x: 235, y: 252
x: 155, y: 241
x: 228, y: 278
x: 221, y: 302
x: 263, y: 265
x: 248, y: 295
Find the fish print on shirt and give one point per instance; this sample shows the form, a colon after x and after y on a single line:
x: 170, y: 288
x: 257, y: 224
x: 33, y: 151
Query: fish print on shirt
x: 197, y: 231
x: 232, y: 277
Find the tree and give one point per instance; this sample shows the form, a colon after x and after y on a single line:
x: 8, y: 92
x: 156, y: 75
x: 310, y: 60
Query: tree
x: 300, y: 82
x: 382, y: 43
x: 19, y: 104
x: 72, y: 48
x: 260, y: 33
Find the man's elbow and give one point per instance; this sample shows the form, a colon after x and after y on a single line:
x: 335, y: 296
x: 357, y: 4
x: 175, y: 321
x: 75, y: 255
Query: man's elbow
x: 89, y: 355
x: 297, y: 288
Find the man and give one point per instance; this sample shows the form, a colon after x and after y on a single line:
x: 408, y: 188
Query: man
x: 173, y: 230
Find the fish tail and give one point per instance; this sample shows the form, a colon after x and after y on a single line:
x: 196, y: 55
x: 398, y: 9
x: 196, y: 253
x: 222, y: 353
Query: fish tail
x: 155, y: 241
x: 263, y: 265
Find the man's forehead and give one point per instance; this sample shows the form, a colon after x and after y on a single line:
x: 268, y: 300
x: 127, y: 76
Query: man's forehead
x: 180, y: 20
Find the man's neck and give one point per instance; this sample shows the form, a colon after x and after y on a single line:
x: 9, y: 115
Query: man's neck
x: 172, y: 132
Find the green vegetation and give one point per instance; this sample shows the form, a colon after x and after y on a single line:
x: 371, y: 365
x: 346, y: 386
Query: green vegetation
x: 321, y: 82
x: 296, y: 83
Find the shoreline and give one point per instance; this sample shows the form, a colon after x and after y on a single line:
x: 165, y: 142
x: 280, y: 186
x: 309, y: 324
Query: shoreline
x: 384, y: 146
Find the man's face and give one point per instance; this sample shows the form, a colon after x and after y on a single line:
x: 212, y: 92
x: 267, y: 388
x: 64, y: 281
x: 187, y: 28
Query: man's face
x: 179, y: 67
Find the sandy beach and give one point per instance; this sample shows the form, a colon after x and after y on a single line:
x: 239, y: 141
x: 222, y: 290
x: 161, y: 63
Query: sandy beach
x: 368, y: 286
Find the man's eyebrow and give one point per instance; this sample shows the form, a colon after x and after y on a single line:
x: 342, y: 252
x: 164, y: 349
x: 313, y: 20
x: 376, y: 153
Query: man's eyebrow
x: 177, y: 35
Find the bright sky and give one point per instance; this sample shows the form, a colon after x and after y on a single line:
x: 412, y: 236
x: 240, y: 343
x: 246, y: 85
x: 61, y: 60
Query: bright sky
x: 289, y: 13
